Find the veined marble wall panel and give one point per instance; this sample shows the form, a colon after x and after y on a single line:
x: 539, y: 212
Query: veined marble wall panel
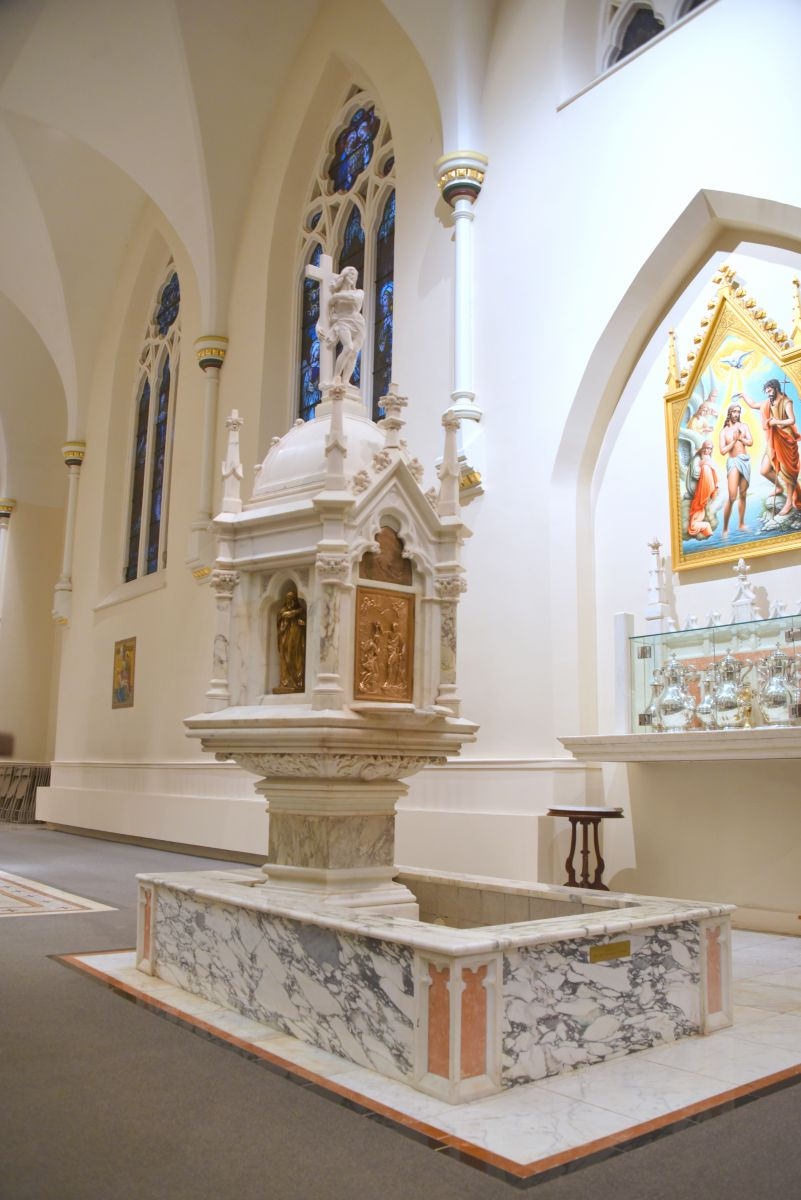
x: 562, y: 1011
x: 351, y: 996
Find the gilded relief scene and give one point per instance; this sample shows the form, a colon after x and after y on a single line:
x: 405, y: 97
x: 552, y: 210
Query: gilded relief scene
x: 384, y: 645
x: 735, y: 455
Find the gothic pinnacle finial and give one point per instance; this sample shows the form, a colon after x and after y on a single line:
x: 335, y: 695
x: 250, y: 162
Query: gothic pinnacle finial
x: 673, y: 380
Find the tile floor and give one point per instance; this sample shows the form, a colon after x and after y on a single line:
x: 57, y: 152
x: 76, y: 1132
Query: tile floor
x: 532, y: 1129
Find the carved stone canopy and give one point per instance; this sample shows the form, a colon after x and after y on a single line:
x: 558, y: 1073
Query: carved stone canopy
x: 340, y: 552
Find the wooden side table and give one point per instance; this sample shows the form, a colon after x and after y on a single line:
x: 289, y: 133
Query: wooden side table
x: 585, y: 817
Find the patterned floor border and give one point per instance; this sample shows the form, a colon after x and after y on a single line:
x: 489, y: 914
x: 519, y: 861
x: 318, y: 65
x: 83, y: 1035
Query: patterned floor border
x: 21, y: 897
x: 522, y: 1175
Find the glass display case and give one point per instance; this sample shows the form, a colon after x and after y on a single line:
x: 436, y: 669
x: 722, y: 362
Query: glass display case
x: 742, y: 676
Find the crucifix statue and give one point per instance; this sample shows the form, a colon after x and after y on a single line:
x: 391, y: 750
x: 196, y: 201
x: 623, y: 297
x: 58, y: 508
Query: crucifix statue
x: 341, y: 320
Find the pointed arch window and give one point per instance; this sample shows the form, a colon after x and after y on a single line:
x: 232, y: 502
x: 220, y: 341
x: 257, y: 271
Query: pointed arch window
x: 350, y: 215
x: 154, y: 411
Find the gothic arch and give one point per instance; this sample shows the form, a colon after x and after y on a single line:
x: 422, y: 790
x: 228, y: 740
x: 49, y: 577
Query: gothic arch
x: 711, y: 221
x: 381, y: 58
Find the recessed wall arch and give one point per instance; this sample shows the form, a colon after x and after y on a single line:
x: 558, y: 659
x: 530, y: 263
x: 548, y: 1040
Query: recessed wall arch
x: 711, y: 221
x: 144, y: 276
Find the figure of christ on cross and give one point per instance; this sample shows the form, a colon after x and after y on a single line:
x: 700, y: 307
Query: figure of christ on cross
x: 341, y: 320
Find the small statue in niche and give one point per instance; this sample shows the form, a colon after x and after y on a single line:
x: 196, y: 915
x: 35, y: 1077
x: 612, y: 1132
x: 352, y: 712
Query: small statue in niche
x: 291, y: 627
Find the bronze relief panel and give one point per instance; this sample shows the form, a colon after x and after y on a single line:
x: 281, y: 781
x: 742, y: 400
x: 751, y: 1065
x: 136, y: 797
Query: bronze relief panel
x: 384, y: 645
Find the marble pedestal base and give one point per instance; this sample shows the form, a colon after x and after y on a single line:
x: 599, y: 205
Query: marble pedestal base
x: 458, y: 1012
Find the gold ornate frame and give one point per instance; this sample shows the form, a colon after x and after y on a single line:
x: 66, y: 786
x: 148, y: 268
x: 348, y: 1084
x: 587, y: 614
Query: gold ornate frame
x: 733, y: 311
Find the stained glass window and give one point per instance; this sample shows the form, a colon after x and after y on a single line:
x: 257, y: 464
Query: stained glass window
x: 137, y: 490
x: 309, y: 342
x: 352, y: 255
x: 353, y: 149
x: 169, y: 305
x: 157, y: 485
x: 641, y: 28
x: 383, y: 304
x: 349, y: 215
x: 150, y: 472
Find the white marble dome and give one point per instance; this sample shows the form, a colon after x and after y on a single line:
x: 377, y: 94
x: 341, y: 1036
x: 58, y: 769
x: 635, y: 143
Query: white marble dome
x: 297, y: 461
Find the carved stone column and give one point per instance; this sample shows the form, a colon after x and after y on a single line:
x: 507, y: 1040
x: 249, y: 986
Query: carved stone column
x: 448, y: 588
x: 333, y: 577
x: 210, y: 350
x: 219, y: 693
x: 74, y: 453
x: 6, y: 509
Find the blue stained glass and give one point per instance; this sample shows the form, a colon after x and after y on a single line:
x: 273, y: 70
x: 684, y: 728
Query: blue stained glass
x: 309, y: 342
x: 315, y: 221
x: 384, y: 303
x: 388, y: 165
x: 159, y: 459
x: 169, y: 304
x: 140, y: 454
x: 353, y: 149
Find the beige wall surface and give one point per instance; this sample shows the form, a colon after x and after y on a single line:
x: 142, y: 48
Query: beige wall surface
x: 28, y: 637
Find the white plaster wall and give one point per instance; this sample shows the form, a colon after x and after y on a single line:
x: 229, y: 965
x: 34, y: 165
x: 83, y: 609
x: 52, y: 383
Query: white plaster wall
x: 27, y: 634
x: 593, y: 219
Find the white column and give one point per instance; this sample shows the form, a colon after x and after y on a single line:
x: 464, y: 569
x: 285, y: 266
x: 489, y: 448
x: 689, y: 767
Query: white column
x: 6, y: 509
x: 460, y: 177
x: 210, y: 350
x: 74, y: 453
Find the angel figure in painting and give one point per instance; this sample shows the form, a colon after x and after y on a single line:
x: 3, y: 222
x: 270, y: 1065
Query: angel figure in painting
x: 292, y: 643
x: 780, y: 461
x: 702, y: 472
x: 735, y: 438
x: 344, y: 322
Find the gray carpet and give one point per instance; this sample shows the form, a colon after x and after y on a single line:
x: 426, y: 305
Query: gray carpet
x: 104, y: 1100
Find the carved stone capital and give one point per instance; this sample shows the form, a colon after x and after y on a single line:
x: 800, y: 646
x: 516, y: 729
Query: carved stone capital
x: 332, y: 568
x: 337, y: 766
x: 450, y: 587
x: 224, y: 582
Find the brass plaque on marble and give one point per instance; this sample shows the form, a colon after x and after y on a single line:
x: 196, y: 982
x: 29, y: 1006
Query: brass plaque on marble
x: 384, y: 645
x: 610, y: 951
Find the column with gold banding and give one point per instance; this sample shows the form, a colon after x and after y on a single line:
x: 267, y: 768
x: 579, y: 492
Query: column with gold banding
x: 73, y: 453
x: 460, y: 176
x: 211, y: 350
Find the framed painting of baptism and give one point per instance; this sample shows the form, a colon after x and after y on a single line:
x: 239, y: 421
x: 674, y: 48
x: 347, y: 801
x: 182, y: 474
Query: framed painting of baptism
x: 733, y: 418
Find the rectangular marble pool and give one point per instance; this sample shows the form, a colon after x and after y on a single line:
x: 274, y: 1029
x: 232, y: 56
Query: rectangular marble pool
x: 498, y: 984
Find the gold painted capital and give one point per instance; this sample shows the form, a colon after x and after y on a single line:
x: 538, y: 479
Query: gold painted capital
x: 6, y: 508
x: 460, y: 175
x: 211, y: 350
x: 74, y: 453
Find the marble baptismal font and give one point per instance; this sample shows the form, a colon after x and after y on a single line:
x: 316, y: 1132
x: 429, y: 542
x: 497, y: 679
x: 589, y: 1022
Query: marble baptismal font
x: 334, y: 680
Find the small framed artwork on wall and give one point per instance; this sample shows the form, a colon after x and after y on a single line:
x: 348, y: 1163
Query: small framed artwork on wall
x: 122, y: 691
